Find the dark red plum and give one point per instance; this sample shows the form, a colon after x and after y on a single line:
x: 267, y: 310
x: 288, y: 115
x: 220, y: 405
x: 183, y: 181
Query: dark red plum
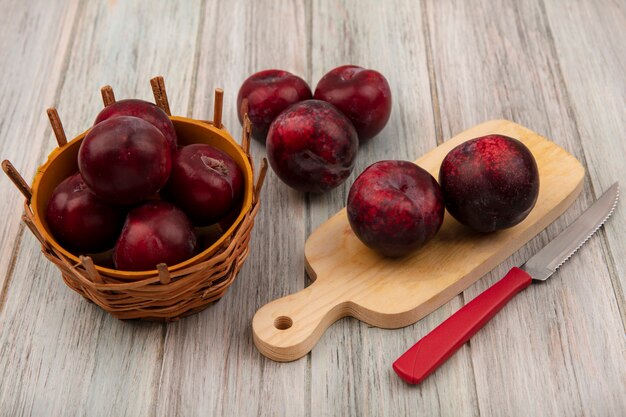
x: 268, y: 93
x: 232, y: 215
x: 124, y: 160
x: 80, y: 221
x: 145, y: 110
x: 394, y: 207
x: 361, y: 94
x: 489, y: 183
x: 205, y: 182
x: 312, y: 146
x: 155, y: 232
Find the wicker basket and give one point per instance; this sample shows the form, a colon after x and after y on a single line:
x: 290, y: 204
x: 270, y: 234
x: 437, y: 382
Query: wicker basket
x: 168, y: 292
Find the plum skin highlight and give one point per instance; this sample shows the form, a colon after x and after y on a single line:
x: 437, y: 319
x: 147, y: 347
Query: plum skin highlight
x: 489, y: 183
x: 394, y: 207
x: 205, y: 182
x: 79, y: 220
x: 312, y: 146
x: 124, y: 160
x: 268, y: 93
x: 154, y: 232
x: 363, y: 95
x: 145, y: 110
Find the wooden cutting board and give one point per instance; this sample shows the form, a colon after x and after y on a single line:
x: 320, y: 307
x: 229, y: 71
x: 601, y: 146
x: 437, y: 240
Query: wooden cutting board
x: 352, y: 280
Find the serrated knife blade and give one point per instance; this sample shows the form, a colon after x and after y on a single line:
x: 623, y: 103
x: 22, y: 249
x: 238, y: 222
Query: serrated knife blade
x: 437, y: 346
x: 545, y: 262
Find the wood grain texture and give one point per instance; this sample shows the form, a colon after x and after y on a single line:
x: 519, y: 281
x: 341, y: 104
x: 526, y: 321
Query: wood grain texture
x: 351, y: 364
x: 553, y: 347
x: 597, y: 92
x: 557, y: 349
x: 34, y: 46
x: 210, y: 365
x: 62, y: 355
x: 352, y: 280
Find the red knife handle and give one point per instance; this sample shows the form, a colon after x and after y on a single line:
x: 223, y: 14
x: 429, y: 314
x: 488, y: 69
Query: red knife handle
x: 437, y: 346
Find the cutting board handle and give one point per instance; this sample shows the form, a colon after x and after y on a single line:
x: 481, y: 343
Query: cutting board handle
x: 287, y: 329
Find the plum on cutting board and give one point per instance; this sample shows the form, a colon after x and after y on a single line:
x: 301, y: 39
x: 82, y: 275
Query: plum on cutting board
x: 268, y: 93
x: 363, y: 95
x: 124, y: 160
x: 145, y: 110
x: 154, y: 232
x: 205, y: 182
x: 489, y: 183
x: 80, y: 221
x: 394, y: 207
x: 312, y: 146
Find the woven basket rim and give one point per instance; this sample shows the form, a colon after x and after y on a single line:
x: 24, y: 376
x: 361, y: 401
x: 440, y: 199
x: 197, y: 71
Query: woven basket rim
x: 249, y: 189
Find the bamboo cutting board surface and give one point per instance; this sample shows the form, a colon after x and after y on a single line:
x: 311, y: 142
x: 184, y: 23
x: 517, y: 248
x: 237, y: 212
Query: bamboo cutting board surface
x: 352, y: 280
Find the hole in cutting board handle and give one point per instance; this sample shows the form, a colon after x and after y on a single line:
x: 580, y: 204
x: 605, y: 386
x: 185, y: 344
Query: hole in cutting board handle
x: 283, y: 322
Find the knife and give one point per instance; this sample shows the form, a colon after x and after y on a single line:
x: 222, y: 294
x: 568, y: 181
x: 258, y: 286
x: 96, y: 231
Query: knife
x: 437, y: 346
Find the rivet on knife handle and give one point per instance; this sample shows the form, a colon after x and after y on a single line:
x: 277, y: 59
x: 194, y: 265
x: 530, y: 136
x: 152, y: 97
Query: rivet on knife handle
x: 437, y: 346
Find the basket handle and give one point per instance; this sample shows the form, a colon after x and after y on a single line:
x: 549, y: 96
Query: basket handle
x: 160, y: 94
x: 260, y: 180
x: 17, y: 179
x: 91, y: 270
x: 108, y: 97
x: 218, y: 103
x: 57, y: 126
x: 28, y: 221
x: 246, y: 133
